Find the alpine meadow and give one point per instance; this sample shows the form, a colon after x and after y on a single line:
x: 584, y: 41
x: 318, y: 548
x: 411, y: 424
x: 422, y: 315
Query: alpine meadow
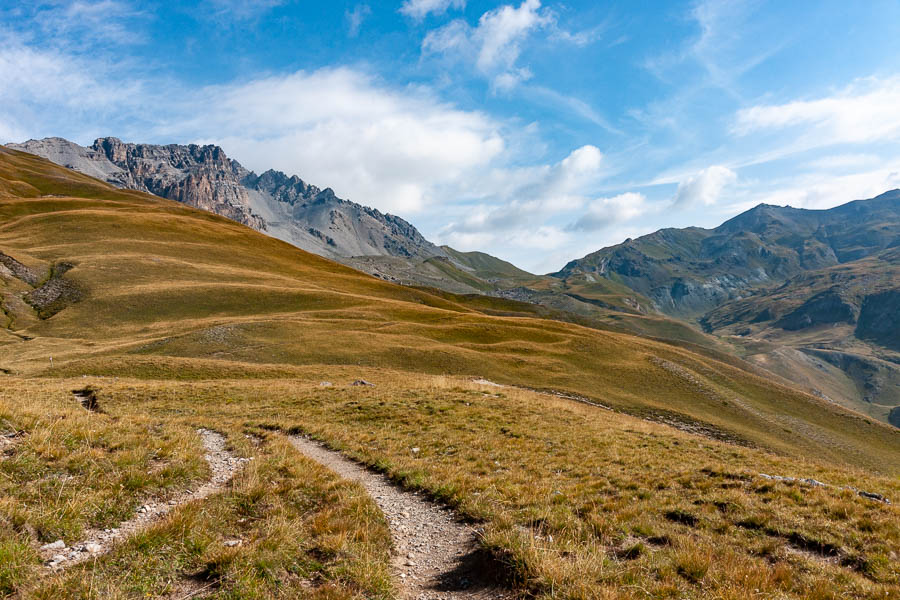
x: 613, y: 313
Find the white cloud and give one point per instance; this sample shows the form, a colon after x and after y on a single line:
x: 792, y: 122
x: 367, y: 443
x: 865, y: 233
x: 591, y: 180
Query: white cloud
x: 495, y: 44
x: 515, y: 200
x: 78, y: 25
x: 864, y: 112
x: 379, y: 146
x: 812, y: 190
x: 571, y: 105
x: 841, y: 162
x: 356, y: 17
x: 604, y: 212
x: 44, y: 87
x: 419, y: 9
x: 705, y: 187
x: 106, y: 20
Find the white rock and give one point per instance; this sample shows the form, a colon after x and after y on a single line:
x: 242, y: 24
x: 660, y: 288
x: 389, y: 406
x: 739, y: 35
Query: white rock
x: 57, y: 545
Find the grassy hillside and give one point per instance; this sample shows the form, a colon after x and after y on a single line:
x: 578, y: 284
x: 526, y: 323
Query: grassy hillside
x: 488, y: 267
x: 158, y: 279
x: 182, y: 319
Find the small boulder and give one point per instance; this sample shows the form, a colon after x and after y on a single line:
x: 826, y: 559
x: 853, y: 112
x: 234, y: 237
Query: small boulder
x: 57, y: 545
x: 362, y: 382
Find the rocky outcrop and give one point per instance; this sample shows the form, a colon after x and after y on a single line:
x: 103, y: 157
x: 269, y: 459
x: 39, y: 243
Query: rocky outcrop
x: 894, y: 416
x: 879, y: 319
x: 310, y: 218
x: 825, y: 308
x: 283, y: 206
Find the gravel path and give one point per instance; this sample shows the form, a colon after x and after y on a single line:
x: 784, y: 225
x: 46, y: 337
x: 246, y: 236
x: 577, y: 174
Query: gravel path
x: 436, y: 557
x: 99, y: 541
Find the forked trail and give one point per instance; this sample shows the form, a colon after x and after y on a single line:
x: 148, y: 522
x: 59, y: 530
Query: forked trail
x: 222, y: 464
x: 436, y: 556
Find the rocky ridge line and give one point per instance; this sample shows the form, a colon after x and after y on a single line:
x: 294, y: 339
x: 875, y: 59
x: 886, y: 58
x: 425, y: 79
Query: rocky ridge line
x: 285, y: 207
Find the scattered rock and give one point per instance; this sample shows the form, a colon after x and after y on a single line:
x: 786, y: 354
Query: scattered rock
x: 57, y: 545
x: 362, y: 382
x: 815, y: 483
x: 486, y: 382
x: 233, y: 543
x: 92, y: 548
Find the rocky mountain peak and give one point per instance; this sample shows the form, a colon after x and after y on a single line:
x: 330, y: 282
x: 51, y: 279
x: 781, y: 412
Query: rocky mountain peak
x: 283, y: 206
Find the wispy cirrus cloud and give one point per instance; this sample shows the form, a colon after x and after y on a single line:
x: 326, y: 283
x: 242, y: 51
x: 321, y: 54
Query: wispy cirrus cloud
x: 356, y: 17
x: 242, y: 10
x: 419, y: 9
x: 864, y: 112
x: 81, y: 24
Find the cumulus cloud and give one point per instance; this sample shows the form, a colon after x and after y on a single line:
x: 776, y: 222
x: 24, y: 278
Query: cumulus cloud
x: 494, y: 45
x: 604, y: 212
x: 704, y: 188
x: 864, y: 112
x: 419, y: 9
x: 389, y: 148
x: 524, y: 196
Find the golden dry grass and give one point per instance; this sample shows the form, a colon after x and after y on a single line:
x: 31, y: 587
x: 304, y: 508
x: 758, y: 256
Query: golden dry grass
x: 579, y: 502
x: 304, y: 532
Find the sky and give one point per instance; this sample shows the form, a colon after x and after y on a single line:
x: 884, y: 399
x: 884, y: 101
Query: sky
x: 535, y: 130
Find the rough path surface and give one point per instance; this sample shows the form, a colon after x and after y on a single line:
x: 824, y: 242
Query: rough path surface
x: 223, y: 466
x: 435, y: 556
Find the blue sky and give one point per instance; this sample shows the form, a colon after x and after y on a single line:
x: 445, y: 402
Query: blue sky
x: 535, y: 130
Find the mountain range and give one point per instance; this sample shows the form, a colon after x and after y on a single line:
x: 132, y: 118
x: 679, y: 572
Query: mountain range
x: 811, y: 295
x: 285, y: 207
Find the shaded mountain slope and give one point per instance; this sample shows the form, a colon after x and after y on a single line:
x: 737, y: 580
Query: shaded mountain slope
x: 170, y: 289
x: 688, y: 272
x: 809, y: 294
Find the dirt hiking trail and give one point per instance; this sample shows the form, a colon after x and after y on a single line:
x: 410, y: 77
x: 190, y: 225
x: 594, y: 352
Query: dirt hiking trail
x: 436, y: 557
x: 223, y: 466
